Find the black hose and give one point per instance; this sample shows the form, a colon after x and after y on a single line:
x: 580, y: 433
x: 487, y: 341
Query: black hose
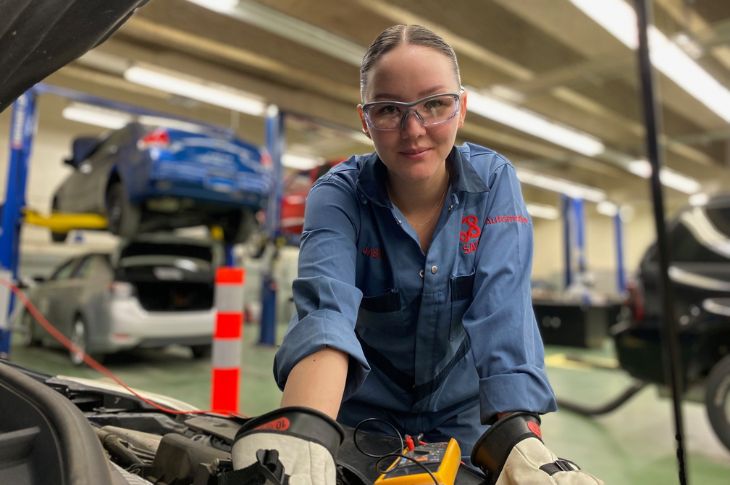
x: 672, y: 360
x: 628, y: 393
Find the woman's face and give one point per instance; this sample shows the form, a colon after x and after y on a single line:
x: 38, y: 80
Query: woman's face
x: 413, y: 153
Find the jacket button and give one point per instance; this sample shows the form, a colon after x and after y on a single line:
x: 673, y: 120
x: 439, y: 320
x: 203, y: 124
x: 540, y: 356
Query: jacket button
x: 421, y: 273
x: 434, y: 269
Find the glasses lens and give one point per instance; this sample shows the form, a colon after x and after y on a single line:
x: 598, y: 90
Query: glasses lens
x: 431, y: 111
x: 385, y: 116
x: 437, y: 109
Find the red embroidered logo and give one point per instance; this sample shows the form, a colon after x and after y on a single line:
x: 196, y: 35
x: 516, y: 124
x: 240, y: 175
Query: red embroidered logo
x: 374, y: 253
x: 503, y: 219
x: 472, y: 232
x: 280, y: 424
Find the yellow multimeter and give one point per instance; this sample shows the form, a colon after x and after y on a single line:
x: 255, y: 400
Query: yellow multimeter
x: 441, y: 459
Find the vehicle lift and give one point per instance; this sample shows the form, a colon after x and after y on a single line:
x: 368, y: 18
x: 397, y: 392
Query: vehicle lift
x: 14, y: 211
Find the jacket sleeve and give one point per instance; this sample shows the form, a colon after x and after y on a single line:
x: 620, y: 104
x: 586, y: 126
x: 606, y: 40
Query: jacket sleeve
x: 500, y: 322
x: 325, y: 295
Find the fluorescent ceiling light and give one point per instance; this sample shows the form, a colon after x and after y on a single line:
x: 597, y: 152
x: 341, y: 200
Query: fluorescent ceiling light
x: 222, y: 6
x: 699, y: 199
x: 543, y: 211
x: 288, y: 27
x: 607, y: 208
x: 194, y: 88
x: 562, y: 186
x: 667, y: 176
x: 619, y: 19
x: 300, y: 162
x: 533, y: 123
x: 93, y: 115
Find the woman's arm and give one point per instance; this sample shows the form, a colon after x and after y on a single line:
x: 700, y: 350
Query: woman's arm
x: 318, y: 381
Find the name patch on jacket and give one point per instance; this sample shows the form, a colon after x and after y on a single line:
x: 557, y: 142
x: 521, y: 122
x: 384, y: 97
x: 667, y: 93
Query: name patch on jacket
x: 505, y: 219
x: 373, y: 253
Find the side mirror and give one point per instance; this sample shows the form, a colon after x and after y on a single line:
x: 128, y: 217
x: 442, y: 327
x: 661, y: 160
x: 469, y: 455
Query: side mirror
x: 82, y: 148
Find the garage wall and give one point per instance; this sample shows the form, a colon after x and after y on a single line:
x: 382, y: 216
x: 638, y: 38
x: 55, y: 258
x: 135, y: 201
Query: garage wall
x: 549, y: 263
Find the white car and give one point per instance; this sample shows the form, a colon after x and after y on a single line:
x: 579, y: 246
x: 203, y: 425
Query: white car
x: 155, y: 291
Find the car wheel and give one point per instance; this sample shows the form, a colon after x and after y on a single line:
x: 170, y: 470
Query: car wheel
x: 201, y: 351
x: 80, y: 338
x: 57, y: 237
x: 122, y: 216
x: 717, y: 400
x: 238, y: 227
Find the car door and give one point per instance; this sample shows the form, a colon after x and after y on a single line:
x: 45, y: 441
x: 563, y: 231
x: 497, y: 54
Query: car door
x: 47, y: 296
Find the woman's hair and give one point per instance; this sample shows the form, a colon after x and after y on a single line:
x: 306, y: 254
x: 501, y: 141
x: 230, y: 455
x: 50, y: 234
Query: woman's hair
x: 396, y: 35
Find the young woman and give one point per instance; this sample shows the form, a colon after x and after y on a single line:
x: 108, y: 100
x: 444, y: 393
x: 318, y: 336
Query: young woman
x: 413, y: 294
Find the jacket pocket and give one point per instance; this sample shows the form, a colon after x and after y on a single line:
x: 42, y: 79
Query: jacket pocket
x: 383, y: 315
x: 461, y: 289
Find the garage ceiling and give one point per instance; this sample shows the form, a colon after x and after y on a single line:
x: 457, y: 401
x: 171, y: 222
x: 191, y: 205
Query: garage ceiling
x: 547, y: 56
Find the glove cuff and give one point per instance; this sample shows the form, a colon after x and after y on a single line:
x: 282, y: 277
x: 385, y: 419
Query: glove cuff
x: 306, y: 423
x: 490, y: 452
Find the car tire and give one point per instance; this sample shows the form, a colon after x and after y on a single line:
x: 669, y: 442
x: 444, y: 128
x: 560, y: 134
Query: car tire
x: 123, y: 217
x: 239, y: 226
x: 717, y: 400
x: 201, y: 351
x: 57, y: 237
x: 80, y: 337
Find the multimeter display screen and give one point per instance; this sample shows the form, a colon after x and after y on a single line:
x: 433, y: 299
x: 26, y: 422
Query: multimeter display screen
x: 430, y: 456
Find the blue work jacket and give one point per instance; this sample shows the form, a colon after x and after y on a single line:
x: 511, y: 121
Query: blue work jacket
x: 426, y: 333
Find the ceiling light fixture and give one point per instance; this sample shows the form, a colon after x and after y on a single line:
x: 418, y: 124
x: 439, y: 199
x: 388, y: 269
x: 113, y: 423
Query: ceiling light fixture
x: 619, y: 19
x: 530, y: 122
x: 562, y: 186
x: 198, y: 89
x: 300, y: 162
x: 287, y: 27
x: 93, y: 115
x: 543, y: 211
x: 667, y: 176
x: 607, y: 208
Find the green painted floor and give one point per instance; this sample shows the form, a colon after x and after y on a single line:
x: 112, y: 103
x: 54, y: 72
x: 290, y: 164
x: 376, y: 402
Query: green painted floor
x: 632, y: 445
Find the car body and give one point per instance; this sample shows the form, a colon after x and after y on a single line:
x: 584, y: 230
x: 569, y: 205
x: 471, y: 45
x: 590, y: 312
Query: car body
x: 153, y: 292
x: 62, y: 429
x: 293, y: 202
x: 699, y: 272
x: 172, y: 174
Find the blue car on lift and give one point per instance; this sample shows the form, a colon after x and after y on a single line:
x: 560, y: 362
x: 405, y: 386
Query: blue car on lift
x: 145, y: 178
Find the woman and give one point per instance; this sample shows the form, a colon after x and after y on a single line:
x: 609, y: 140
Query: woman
x: 413, y: 295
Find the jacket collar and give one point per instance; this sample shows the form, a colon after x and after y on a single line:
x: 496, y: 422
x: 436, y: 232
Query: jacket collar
x: 373, y: 175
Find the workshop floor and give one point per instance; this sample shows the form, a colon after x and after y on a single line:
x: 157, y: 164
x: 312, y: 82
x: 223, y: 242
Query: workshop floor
x: 632, y: 445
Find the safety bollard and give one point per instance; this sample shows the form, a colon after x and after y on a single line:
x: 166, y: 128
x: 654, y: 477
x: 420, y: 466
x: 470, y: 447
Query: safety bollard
x: 227, y: 339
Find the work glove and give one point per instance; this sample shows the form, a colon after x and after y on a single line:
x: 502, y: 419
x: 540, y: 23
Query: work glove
x: 306, y: 441
x: 511, y: 452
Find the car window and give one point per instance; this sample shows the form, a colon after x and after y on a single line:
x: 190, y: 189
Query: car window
x: 88, y: 266
x: 141, y: 248
x: 65, y: 270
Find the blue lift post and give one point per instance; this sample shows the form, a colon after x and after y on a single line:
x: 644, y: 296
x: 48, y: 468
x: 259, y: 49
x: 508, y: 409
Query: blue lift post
x: 275, y: 145
x: 567, y: 240
x: 618, y: 228
x: 22, y: 127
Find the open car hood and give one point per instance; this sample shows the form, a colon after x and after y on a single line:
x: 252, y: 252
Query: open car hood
x: 37, y: 37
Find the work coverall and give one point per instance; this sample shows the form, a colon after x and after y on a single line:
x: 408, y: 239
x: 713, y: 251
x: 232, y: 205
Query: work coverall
x: 438, y: 342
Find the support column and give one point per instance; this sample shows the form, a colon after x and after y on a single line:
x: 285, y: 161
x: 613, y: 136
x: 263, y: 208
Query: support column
x: 275, y: 144
x: 22, y: 128
x: 620, y: 272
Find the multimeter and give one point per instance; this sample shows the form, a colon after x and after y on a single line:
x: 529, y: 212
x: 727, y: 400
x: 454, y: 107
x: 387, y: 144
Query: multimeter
x: 441, y: 459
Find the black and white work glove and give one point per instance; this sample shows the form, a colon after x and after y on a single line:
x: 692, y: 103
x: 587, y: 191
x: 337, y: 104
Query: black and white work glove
x: 511, y: 452
x: 306, y: 441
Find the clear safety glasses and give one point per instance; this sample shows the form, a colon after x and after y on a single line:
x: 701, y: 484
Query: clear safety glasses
x: 431, y: 110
